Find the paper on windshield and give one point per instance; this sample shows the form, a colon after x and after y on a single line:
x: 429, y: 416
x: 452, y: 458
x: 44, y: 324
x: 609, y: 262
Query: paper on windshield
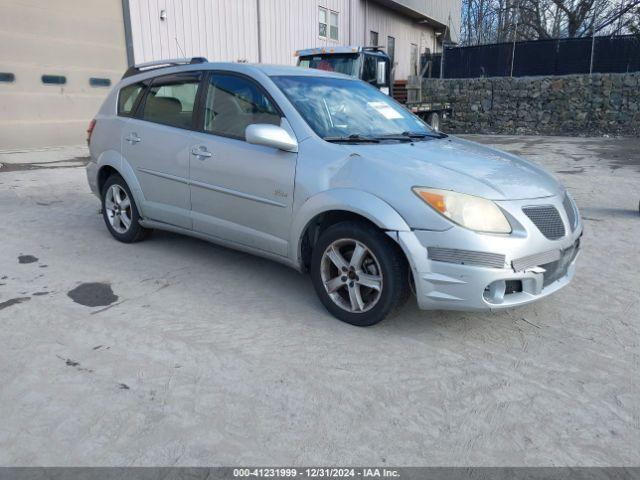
x: 386, y: 110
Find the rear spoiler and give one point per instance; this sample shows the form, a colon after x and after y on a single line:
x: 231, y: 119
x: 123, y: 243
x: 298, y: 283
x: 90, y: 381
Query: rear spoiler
x: 144, y: 67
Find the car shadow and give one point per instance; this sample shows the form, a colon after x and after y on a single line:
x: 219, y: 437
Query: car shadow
x: 283, y: 284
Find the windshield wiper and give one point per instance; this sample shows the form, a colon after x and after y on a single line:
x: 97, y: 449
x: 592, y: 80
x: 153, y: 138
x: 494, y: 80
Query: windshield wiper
x: 410, y: 136
x: 355, y: 138
x: 395, y: 136
x: 424, y: 135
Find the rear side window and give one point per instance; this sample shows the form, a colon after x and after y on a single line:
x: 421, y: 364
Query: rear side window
x: 233, y: 103
x: 171, y: 100
x: 127, y: 98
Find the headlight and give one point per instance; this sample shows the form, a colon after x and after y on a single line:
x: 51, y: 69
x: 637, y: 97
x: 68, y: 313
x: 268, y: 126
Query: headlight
x: 471, y: 212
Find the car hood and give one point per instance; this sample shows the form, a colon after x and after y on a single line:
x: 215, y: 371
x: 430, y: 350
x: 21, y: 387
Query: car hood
x: 460, y: 165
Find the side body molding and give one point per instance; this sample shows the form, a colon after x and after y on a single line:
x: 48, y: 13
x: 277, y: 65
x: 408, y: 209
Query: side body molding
x: 346, y: 199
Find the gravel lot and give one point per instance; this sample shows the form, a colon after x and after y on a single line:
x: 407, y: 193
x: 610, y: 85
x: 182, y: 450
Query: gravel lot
x: 212, y: 357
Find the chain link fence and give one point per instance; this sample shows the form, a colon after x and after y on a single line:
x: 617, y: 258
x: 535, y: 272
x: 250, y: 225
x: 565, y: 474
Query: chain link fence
x: 563, y: 56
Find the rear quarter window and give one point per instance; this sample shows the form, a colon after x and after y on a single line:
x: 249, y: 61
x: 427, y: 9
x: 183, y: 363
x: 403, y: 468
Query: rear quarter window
x: 128, y: 98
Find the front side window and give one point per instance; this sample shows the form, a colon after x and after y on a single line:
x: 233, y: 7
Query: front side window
x: 369, y: 69
x: 322, y: 22
x: 171, y: 100
x: 233, y: 103
x: 127, y: 98
x: 333, y: 25
x: 338, y: 107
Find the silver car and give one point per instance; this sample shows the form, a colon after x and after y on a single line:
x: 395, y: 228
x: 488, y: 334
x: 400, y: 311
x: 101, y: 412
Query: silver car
x: 326, y: 174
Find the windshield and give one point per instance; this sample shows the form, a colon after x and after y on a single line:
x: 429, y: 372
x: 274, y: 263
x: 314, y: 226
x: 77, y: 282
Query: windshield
x: 340, y: 108
x: 346, y: 63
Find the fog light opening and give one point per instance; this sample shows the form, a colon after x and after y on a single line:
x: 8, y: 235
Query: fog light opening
x: 513, y: 286
x: 494, y: 292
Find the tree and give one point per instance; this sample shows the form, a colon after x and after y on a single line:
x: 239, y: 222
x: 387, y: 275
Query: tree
x: 489, y: 21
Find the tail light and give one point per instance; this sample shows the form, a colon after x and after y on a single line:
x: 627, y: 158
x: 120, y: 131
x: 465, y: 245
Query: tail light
x: 92, y: 125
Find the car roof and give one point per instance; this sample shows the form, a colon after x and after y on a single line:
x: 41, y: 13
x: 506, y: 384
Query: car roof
x: 250, y: 69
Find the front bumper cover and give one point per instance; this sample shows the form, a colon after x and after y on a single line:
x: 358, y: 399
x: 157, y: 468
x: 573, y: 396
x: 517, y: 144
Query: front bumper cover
x: 536, y: 265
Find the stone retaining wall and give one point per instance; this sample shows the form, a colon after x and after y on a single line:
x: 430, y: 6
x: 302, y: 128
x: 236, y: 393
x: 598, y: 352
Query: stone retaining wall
x: 568, y: 105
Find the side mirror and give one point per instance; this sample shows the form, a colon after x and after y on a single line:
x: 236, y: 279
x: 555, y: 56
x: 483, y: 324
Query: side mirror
x: 381, y: 73
x: 271, y: 136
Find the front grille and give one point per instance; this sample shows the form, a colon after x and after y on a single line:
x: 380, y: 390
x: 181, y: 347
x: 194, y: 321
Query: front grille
x: 570, y: 208
x: 547, y: 219
x: 466, y: 257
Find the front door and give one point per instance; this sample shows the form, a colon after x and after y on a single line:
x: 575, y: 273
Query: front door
x: 157, y: 145
x: 240, y: 192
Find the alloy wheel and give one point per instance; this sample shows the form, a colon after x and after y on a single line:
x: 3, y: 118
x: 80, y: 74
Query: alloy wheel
x: 118, y: 208
x: 351, y: 275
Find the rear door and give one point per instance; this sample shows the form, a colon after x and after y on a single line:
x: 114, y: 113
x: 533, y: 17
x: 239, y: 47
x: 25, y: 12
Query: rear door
x: 240, y: 192
x: 156, y: 142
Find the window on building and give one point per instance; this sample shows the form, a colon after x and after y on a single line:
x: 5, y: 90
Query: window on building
x: 373, y: 38
x: 7, y: 77
x: 127, y: 98
x: 414, y: 59
x: 333, y: 25
x: 54, y: 79
x: 99, y: 82
x: 233, y: 103
x: 322, y: 22
x: 391, y: 49
x: 170, y: 100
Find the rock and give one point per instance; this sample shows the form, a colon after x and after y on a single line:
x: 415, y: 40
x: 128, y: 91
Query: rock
x: 574, y: 104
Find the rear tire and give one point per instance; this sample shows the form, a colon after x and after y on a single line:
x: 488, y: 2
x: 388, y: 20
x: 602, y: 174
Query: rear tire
x: 359, y: 274
x: 120, y: 212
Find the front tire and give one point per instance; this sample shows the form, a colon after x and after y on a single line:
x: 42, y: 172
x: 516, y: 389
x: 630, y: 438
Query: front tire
x: 359, y: 274
x: 120, y: 212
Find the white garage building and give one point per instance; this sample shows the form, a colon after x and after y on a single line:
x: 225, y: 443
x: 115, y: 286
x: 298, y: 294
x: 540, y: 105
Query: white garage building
x: 270, y: 31
x: 59, y: 58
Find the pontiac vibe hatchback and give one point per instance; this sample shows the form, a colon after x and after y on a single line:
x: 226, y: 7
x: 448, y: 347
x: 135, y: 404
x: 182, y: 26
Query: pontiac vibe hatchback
x: 326, y: 174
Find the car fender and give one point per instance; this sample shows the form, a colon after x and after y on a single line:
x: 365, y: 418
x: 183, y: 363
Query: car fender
x: 359, y: 202
x: 115, y: 160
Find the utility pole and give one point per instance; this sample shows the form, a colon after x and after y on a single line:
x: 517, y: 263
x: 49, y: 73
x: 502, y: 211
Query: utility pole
x: 593, y: 41
x: 258, y: 31
x: 515, y: 35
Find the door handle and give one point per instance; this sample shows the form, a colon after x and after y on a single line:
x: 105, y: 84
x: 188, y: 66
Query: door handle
x: 133, y: 138
x: 200, y: 152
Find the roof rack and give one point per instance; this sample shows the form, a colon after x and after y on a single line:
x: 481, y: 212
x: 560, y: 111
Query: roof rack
x: 144, y: 67
x: 339, y: 49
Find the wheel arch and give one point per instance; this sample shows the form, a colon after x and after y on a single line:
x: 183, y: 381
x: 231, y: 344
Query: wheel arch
x: 330, y: 207
x: 112, y: 162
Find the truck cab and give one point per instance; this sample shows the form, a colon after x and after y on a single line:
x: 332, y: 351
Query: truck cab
x: 370, y: 64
